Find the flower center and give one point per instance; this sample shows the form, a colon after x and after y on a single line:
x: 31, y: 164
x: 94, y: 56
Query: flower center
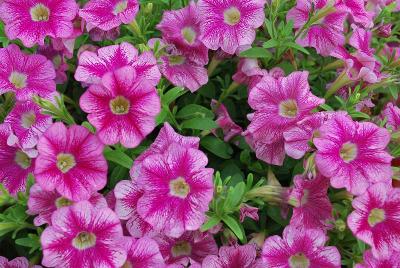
x: 63, y: 202
x: 28, y: 119
x: 120, y: 7
x: 18, y: 79
x: 377, y: 215
x: 22, y: 159
x: 348, y: 152
x: 119, y: 105
x: 288, y: 108
x: 189, y: 35
x: 127, y: 264
x: 65, y: 162
x: 182, y: 248
x: 299, y: 260
x: 84, y: 240
x: 179, y: 188
x: 176, y: 60
x: 40, y: 13
x: 232, y: 16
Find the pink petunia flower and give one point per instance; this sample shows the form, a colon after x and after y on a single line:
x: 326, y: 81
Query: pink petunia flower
x: 392, y: 114
x: 248, y: 72
x: 370, y: 261
x: 92, y: 66
x: 229, y: 24
x: 279, y: 105
x: 19, y: 262
x: 127, y: 194
x: 357, y: 12
x: 32, y: 21
x: 96, y: 34
x: 15, y: 163
x: 27, y: 124
x: 143, y: 253
x: 249, y: 212
x: 312, y: 208
x: 177, y: 190
x: 123, y: 108
x: 190, y: 247
x: 182, y: 28
x: 376, y: 218
x: 43, y: 203
x: 300, y: 248
x: 58, y: 60
x: 107, y: 15
x: 324, y: 35
x: 70, y: 161
x: 233, y: 256
x: 83, y: 236
x: 353, y: 154
x: 224, y: 121
x: 25, y: 75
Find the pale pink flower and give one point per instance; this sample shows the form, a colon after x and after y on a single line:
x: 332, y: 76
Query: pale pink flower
x: 32, y: 21
x: 248, y: 72
x: 376, y: 220
x: 357, y: 12
x: 352, y: 154
x: 312, y: 208
x: 92, y: 66
x: 233, y: 256
x: 25, y: 75
x: 272, y: 153
x: 70, y: 161
x: 143, y: 253
x: 371, y: 261
x: 324, y: 36
x: 182, y: 28
x: 249, y: 212
x: 27, y: 124
x: 392, y: 114
x: 190, y: 247
x: 107, y: 15
x: 123, y: 108
x: 19, y: 262
x: 15, y: 163
x: 224, y: 121
x: 43, y: 203
x: 230, y: 24
x: 83, y: 236
x: 300, y: 248
x: 177, y: 190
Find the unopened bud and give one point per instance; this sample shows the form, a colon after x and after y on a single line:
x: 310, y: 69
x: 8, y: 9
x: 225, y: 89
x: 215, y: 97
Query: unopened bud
x: 385, y: 30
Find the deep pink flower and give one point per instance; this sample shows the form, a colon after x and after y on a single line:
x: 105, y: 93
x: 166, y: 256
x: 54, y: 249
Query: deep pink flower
x: 376, y: 218
x: 392, y: 114
x: 83, y: 236
x: 190, y: 247
x: 177, y: 190
x: 182, y: 28
x: 43, y: 203
x: 92, y: 66
x: 143, y: 253
x: 353, y: 154
x: 15, y: 163
x: 248, y: 211
x: 19, y: 262
x: 58, y: 60
x: 27, y: 124
x: 234, y: 256
x: 32, y: 21
x: 224, y: 121
x: 230, y: 24
x: 123, y: 108
x: 300, y: 248
x: 249, y: 72
x: 127, y: 194
x: 70, y: 161
x: 279, y: 105
x: 312, y: 208
x: 357, y: 12
x: 324, y: 36
x: 25, y: 75
x: 107, y: 15
x: 370, y: 261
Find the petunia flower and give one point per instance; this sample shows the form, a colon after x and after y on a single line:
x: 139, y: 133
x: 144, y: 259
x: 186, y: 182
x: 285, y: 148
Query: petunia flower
x: 356, y: 10
x: 83, y: 236
x: 177, y: 190
x: 58, y: 60
x: 97, y: 35
x: 300, y: 248
x: 224, y: 121
x: 230, y: 24
x: 70, y: 161
x: 249, y: 72
x: 353, y: 155
x: 249, y: 212
x: 93, y: 65
x: 392, y: 114
x: 43, y: 203
x: 371, y: 261
x: 110, y: 14
x: 18, y: 262
x: 375, y: 219
x: 32, y: 21
x: 143, y: 253
x: 233, y: 256
x: 25, y: 75
x: 123, y: 107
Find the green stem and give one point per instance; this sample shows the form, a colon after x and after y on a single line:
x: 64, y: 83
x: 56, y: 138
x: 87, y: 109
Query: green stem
x: 232, y: 87
x: 213, y: 65
x: 341, y: 81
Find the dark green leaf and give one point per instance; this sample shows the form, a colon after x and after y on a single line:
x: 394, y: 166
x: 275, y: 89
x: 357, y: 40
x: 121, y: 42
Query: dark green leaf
x: 256, y: 52
x: 199, y: 123
x: 217, y: 147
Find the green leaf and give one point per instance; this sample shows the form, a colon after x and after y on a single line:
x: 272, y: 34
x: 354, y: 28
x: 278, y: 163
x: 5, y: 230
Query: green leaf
x: 298, y: 47
x: 119, y: 158
x: 234, y: 225
x: 161, y: 117
x: 356, y: 114
x: 199, y: 123
x: 172, y: 95
x: 210, y: 223
x: 326, y: 107
x: 194, y: 110
x: 235, y: 196
x: 256, y: 52
x: 89, y: 126
x: 217, y: 147
x: 32, y: 242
